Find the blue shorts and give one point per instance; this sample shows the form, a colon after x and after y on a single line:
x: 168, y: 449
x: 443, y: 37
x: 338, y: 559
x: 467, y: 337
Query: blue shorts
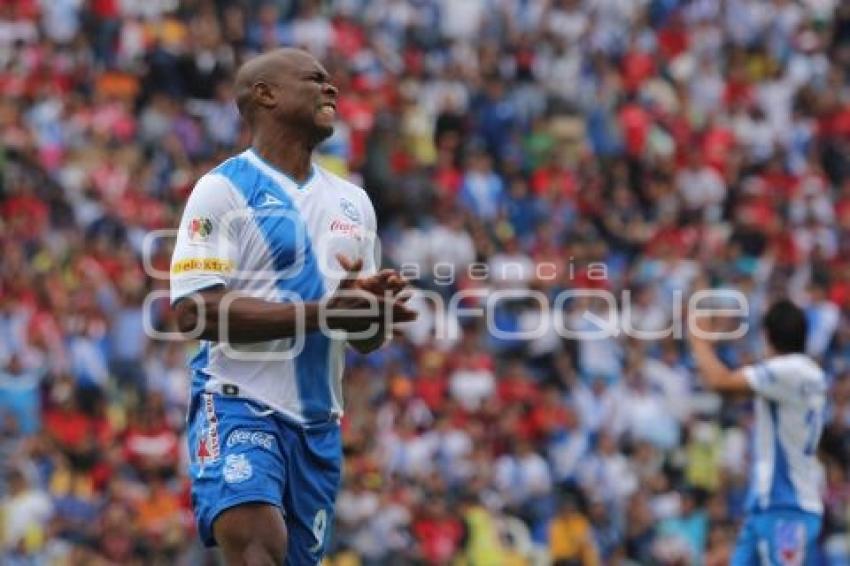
x: 242, y: 451
x: 778, y: 538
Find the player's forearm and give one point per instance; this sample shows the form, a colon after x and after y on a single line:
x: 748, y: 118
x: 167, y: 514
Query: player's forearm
x: 244, y: 319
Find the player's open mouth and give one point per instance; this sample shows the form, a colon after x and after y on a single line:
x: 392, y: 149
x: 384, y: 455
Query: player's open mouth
x: 328, y: 108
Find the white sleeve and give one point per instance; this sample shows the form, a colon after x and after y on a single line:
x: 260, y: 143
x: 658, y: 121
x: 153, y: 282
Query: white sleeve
x: 206, y: 250
x: 771, y: 379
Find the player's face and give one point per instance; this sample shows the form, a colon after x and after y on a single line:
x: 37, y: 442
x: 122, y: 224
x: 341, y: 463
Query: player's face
x: 307, y: 98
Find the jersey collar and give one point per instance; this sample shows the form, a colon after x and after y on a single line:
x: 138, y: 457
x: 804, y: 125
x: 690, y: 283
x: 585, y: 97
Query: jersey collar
x: 281, y: 177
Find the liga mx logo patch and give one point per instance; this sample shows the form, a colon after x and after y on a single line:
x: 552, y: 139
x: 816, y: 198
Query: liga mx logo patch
x: 790, y: 541
x: 200, y: 229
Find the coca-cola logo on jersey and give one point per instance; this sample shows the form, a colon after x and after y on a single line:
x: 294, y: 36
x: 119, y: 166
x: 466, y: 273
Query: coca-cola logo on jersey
x: 344, y: 227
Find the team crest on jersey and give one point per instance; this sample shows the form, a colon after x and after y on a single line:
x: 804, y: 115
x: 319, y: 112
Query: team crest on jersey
x: 209, y: 448
x: 790, y: 541
x: 237, y: 468
x: 349, y: 210
x: 200, y: 229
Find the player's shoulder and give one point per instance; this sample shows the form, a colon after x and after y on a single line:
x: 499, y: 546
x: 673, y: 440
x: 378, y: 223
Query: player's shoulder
x: 341, y: 184
x: 797, y: 365
x: 347, y: 191
x: 214, y: 190
x: 234, y: 178
x: 224, y: 174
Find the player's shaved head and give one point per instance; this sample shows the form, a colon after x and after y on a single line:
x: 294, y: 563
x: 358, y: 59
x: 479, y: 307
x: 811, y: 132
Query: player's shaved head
x: 270, y: 68
x: 287, y: 98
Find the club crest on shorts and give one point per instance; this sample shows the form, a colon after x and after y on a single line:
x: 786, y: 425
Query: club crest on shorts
x: 790, y: 541
x: 209, y: 448
x: 237, y: 468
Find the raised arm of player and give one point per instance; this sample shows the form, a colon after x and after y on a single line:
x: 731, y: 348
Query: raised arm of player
x: 712, y: 371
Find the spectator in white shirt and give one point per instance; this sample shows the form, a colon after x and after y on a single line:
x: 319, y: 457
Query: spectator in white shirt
x: 522, y: 474
x: 25, y: 511
x: 702, y: 188
x: 822, y: 316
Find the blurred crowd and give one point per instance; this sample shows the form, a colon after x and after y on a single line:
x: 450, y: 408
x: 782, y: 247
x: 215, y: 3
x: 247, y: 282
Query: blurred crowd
x: 647, y: 148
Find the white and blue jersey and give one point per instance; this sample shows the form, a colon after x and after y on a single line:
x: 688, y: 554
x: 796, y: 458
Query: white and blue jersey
x: 789, y: 406
x: 263, y: 424
x: 252, y: 229
x: 785, y: 509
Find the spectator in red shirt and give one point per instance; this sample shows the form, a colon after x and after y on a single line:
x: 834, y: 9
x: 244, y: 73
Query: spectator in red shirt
x: 431, y: 385
x: 438, y: 533
x: 150, y: 444
x: 71, y: 429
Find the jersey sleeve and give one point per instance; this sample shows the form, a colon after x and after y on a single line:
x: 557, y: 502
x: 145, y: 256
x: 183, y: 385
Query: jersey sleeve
x: 205, y: 253
x: 771, y: 379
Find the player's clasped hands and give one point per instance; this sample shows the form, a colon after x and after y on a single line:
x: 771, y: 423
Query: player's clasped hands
x: 360, y: 302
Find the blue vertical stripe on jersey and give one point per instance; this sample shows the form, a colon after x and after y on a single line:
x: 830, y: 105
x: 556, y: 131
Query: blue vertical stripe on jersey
x: 199, y: 365
x: 202, y: 359
x: 782, y: 492
x: 312, y: 364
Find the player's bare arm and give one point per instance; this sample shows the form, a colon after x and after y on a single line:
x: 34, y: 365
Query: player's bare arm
x: 256, y: 320
x: 713, y: 372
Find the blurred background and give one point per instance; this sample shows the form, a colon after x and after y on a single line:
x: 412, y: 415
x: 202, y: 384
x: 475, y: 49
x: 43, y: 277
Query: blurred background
x: 679, y: 143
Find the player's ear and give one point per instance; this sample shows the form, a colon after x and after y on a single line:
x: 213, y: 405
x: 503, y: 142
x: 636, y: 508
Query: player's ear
x: 264, y: 94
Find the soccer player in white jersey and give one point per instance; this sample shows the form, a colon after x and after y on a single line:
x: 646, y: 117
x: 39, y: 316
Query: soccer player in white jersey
x: 784, y: 509
x: 255, y: 271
